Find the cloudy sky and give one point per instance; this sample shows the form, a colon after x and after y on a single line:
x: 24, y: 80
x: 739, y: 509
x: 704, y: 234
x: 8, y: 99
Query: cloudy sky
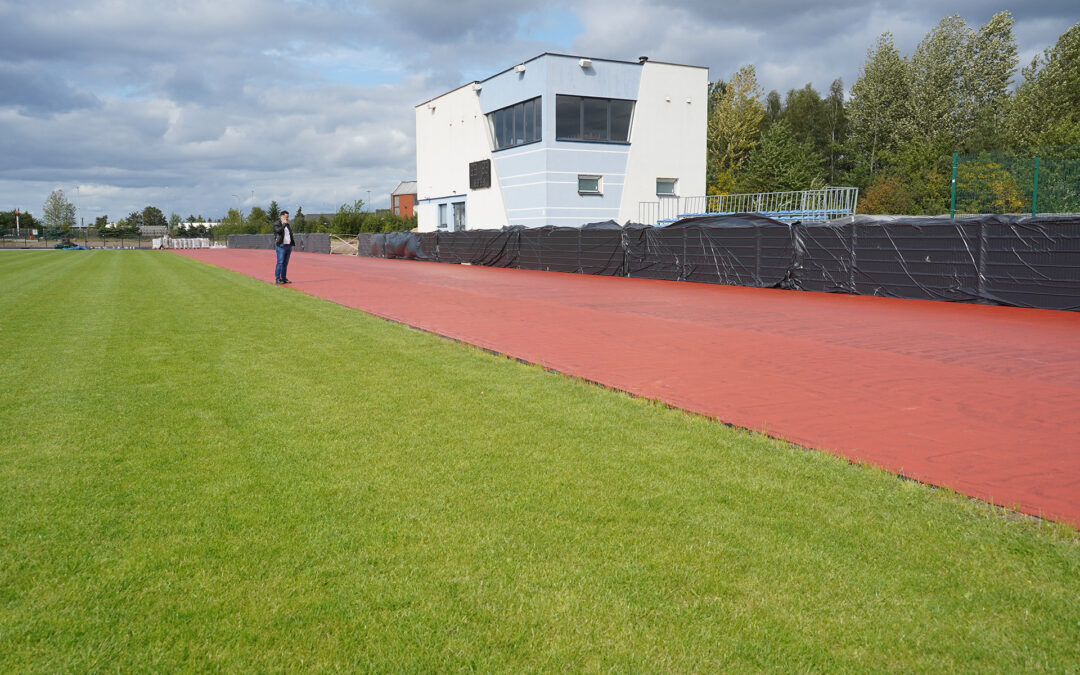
x: 198, y: 106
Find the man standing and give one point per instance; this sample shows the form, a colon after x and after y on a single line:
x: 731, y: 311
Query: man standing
x: 283, y: 242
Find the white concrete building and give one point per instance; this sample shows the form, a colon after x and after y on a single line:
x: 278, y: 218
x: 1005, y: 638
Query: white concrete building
x: 561, y: 140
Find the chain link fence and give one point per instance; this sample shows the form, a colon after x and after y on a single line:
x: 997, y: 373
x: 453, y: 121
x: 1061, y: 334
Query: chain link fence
x: 1018, y: 182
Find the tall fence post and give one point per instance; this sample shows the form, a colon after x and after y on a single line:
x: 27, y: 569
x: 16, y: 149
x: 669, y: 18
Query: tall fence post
x: 952, y: 200
x: 1035, y: 190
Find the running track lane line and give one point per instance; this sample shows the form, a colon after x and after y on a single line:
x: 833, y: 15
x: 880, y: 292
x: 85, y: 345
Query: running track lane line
x: 983, y: 400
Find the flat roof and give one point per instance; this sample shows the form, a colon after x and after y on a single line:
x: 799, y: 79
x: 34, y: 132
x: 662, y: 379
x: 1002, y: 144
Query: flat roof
x: 565, y: 56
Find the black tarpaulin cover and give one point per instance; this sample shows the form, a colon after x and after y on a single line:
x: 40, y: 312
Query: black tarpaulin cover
x: 311, y: 242
x: 1010, y: 260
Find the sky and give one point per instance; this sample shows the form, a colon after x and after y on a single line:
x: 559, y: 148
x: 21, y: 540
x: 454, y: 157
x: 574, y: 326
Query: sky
x: 199, y: 106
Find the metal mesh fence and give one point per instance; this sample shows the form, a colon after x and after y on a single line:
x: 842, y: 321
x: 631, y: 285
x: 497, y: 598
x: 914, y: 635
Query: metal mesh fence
x: 1028, y: 182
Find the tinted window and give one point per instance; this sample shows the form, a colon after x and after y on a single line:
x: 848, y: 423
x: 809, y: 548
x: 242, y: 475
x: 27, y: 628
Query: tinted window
x: 568, y: 117
x: 593, y: 119
x: 621, y: 112
x: 516, y: 124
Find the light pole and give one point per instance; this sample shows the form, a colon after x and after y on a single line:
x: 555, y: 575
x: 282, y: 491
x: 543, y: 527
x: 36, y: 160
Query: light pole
x: 369, y: 200
x: 17, y: 234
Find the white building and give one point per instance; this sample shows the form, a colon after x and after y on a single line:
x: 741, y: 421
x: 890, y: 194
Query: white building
x: 561, y: 140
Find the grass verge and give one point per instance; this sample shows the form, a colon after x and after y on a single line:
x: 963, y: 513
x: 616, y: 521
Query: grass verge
x: 202, y: 471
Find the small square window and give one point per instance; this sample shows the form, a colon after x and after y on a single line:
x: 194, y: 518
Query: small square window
x: 665, y: 187
x: 590, y: 185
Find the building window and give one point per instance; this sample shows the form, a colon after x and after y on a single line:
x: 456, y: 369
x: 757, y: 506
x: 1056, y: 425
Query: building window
x: 459, y: 216
x: 517, y: 124
x: 442, y: 217
x: 665, y: 187
x: 602, y: 120
x: 590, y: 185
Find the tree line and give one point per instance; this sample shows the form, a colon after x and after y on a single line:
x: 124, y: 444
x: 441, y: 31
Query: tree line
x: 894, y: 134
x: 349, y: 219
x: 59, y: 221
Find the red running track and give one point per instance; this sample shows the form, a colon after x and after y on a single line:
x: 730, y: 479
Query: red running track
x: 980, y: 399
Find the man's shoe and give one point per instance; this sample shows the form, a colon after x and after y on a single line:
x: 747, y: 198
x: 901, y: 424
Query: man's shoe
x: 285, y: 281
x: 278, y: 282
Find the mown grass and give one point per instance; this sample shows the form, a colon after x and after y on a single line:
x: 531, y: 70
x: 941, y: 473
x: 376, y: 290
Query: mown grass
x: 200, y: 471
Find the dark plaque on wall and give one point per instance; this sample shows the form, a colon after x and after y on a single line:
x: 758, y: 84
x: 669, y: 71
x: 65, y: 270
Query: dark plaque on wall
x: 480, y: 174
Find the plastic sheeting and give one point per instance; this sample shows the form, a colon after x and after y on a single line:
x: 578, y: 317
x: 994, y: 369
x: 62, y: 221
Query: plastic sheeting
x: 1009, y: 260
x: 312, y: 242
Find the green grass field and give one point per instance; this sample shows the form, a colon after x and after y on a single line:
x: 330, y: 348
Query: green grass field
x: 200, y: 471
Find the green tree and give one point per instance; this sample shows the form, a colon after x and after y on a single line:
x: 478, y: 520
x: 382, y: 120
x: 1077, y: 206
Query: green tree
x: 782, y: 163
x: 734, y: 130
x: 10, y: 225
x: 174, y: 221
x: 1046, y: 108
x: 59, y: 214
x: 300, y: 222
x: 774, y: 108
x: 808, y: 116
x: 938, y: 80
x: 257, y: 222
x: 273, y: 215
x: 153, y: 217
x: 232, y: 223
x: 349, y: 219
x: 990, y: 73
x: 878, y: 110
x: 837, y: 126
x: 959, y: 83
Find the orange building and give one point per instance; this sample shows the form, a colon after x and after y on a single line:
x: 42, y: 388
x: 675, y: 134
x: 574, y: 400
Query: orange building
x: 403, y: 199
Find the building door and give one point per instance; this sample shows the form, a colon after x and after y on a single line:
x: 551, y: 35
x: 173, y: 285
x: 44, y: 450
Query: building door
x: 459, y: 216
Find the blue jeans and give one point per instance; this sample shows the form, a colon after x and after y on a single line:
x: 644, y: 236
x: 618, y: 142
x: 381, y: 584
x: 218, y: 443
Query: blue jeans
x: 281, y: 271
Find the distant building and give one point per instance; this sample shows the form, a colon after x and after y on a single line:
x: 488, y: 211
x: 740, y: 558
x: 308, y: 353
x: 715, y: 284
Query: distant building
x: 561, y: 140
x: 403, y: 199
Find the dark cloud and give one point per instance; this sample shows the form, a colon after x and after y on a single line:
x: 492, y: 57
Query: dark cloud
x: 33, y: 92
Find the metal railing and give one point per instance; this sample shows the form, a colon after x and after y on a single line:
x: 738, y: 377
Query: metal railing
x: 802, y: 205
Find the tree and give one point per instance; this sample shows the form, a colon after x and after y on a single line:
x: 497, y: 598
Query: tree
x: 257, y: 222
x: 773, y: 109
x: 938, y: 81
x: 1046, y: 108
x: 879, y: 108
x: 232, y: 223
x: 153, y: 217
x: 300, y: 222
x: 990, y: 74
x: 59, y: 213
x: 889, y: 194
x: 101, y: 221
x: 959, y: 83
x: 9, y: 224
x: 734, y: 130
x: 837, y: 124
x: 274, y: 214
x: 349, y: 219
x: 985, y: 186
x: 174, y: 221
x: 782, y: 163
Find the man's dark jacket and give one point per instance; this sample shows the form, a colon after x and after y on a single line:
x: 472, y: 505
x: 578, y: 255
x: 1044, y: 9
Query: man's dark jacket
x: 279, y: 234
